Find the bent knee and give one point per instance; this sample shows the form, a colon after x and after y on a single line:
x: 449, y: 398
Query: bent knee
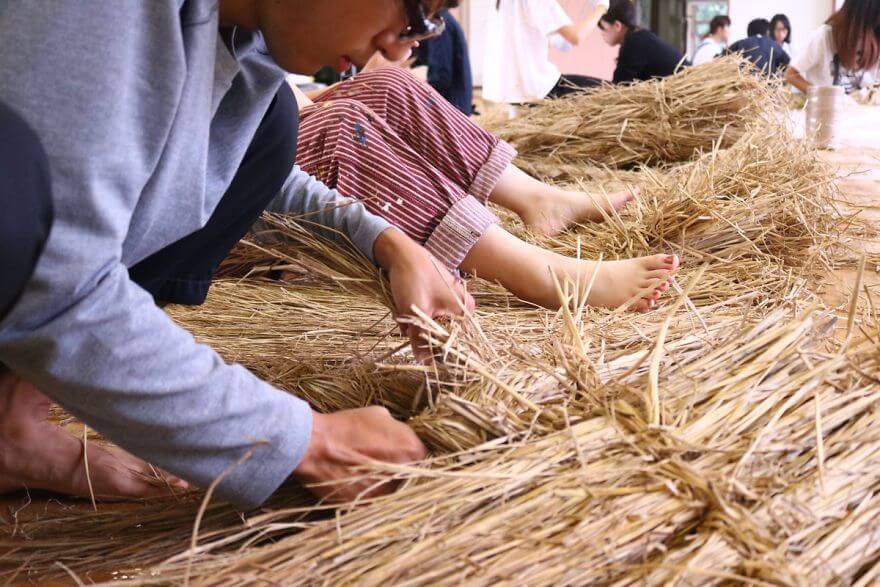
x: 20, y: 147
x: 338, y: 110
x: 391, y: 79
x: 26, y: 201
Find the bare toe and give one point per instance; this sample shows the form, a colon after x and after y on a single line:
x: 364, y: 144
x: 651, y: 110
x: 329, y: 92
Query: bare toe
x: 37, y: 454
x: 646, y: 305
x: 116, y: 474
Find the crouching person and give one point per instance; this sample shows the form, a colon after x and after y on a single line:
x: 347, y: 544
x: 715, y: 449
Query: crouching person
x: 133, y: 158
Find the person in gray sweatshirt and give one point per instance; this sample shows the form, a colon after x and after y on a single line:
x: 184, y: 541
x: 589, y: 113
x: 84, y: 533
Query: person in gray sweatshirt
x: 138, y: 142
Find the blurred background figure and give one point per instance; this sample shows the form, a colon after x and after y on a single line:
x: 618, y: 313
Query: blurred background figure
x: 449, y: 65
x: 780, y: 31
x: 517, y: 67
x: 715, y: 42
x: 765, y: 53
x: 843, y: 52
x: 643, y: 55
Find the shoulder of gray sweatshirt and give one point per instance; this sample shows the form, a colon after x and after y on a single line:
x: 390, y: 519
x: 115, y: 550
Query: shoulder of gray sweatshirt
x: 145, y: 114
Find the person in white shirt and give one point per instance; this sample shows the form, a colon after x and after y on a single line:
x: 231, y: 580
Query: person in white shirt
x: 517, y: 67
x: 843, y: 52
x: 780, y: 31
x: 715, y: 42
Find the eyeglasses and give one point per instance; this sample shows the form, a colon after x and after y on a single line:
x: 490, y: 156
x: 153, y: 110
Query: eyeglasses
x: 420, y: 28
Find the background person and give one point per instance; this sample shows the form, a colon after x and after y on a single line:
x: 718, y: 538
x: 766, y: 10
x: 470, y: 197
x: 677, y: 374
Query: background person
x: 780, y: 31
x: 449, y: 65
x: 843, y: 52
x: 765, y: 54
x: 517, y: 66
x: 715, y: 42
x: 643, y: 55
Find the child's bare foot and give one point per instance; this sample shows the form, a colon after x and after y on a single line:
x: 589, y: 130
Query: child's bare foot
x: 36, y: 454
x: 556, y: 209
x: 528, y: 271
x: 619, y: 282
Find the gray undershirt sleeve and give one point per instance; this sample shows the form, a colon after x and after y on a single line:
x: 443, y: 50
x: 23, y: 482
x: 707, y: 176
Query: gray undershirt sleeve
x: 305, y: 197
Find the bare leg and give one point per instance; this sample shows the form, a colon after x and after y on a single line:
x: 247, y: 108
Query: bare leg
x: 549, y: 210
x: 527, y: 272
x: 36, y: 454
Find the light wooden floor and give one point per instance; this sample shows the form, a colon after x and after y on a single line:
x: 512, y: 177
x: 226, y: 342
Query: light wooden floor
x: 858, y: 162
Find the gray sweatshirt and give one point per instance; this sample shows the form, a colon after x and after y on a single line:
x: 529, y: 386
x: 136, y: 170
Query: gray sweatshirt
x: 145, y: 115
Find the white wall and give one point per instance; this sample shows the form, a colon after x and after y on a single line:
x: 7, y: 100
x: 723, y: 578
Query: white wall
x: 805, y: 15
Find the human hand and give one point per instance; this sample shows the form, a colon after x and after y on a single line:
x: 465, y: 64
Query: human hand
x: 417, y: 279
x: 343, y: 441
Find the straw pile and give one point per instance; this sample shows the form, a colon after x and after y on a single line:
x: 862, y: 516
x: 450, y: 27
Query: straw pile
x: 727, y: 437
x: 764, y: 467
x: 757, y: 460
x: 656, y: 122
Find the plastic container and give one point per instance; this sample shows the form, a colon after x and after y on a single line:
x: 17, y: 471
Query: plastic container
x: 824, y: 111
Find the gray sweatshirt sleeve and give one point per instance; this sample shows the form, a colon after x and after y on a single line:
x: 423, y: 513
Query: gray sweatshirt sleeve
x: 83, y: 332
x: 113, y: 359
x: 305, y: 197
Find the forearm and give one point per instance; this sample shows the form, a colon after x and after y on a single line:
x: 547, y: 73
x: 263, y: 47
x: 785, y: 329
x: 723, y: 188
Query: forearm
x: 328, y: 212
x: 589, y: 24
x: 117, y: 362
x: 571, y: 33
x: 576, y: 32
x: 304, y: 99
x: 794, y: 77
x: 392, y: 245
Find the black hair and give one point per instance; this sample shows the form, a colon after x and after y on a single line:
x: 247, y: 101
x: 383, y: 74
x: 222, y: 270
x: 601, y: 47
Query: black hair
x: 777, y: 18
x: 622, y: 11
x: 719, y: 22
x: 759, y: 26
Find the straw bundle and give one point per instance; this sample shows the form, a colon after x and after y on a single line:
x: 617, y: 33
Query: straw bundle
x: 568, y: 397
x: 653, y: 122
x: 728, y: 437
x: 585, y: 458
x: 732, y: 478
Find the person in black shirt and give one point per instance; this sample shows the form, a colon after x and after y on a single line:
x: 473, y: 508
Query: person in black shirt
x: 449, y: 66
x: 765, y: 53
x: 643, y: 55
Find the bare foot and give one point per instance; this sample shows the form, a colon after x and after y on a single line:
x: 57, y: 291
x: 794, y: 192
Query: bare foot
x: 619, y: 282
x: 557, y: 209
x: 36, y: 454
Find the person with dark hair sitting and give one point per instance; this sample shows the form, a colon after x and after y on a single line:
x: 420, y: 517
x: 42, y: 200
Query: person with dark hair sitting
x: 643, y: 55
x: 449, y: 66
x: 715, y: 42
x: 765, y: 53
x: 780, y: 31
